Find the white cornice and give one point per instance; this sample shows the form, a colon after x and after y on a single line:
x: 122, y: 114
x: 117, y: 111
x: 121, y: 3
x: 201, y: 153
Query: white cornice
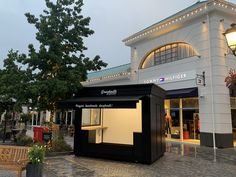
x: 177, y: 19
x: 108, y: 77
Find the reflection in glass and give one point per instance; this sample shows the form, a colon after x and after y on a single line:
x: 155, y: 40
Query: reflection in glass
x: 233, y: 115
x: 190, y: 103
x: 91, y: 117
x: 174, y: 103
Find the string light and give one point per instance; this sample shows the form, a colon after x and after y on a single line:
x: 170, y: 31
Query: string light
x: 180, y: 18
x: 121, y: 74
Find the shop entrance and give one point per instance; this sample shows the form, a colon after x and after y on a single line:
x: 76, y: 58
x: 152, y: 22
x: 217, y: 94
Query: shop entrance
x: 233, y: 116
x: 182, y: 119
x: 191, y: 127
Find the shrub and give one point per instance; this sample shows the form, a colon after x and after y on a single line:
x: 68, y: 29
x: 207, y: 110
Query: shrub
x: 36, y: 154
x: 24, y: 140
x: 59, y: 144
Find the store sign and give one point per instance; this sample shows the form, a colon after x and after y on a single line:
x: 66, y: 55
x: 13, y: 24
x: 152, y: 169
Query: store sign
x: 172, y: 77
x: 200, y: 79
x: 108, y: 92
x: 94, y: 105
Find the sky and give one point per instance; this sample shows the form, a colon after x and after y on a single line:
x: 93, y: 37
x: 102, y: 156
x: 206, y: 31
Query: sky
x: 112, y: 21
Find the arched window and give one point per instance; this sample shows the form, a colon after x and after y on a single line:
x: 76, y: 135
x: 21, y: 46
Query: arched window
x: 168, y: 53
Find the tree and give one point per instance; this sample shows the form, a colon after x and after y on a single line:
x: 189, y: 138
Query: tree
x: 13, y: 87
x: 24, y: 118
x: 14, y: 81
x: 59, y: 65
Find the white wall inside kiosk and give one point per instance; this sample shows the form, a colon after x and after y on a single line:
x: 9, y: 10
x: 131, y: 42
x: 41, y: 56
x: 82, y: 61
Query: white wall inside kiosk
x: 121, y: 123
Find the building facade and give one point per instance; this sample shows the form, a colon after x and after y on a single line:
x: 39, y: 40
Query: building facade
x: 187, y: 55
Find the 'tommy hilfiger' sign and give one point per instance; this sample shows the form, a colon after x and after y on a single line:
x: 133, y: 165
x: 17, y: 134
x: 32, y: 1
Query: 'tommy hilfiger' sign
x: 172, y: 77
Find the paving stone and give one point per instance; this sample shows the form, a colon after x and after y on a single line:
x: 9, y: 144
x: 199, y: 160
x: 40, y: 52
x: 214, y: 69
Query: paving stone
x: 180, y: 160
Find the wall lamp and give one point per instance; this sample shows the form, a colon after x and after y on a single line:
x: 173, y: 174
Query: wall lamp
x: 230, y: 35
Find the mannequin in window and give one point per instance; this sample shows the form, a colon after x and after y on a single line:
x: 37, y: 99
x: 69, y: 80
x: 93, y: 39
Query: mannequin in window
x: 197, y: 125
x: 167, y: 124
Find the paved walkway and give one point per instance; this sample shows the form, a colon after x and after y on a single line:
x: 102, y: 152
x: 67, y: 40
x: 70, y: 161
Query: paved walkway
x: 180, y: 160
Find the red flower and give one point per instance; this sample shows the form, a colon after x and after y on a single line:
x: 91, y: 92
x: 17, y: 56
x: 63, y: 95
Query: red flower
x: 230, y: 80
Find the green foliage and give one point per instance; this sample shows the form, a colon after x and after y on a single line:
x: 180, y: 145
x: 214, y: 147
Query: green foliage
x: 25, y: 117
x: 56, y: 69
x: 8, y: 130
x: 14, y: 82
x: 46, y: 124
x: 24, y: 140
x: 59, y: 144
x: 36, y: 154
x: 59, y: 64
x: 8, y: 133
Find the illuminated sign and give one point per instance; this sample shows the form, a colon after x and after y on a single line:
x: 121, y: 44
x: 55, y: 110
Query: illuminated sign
x: 172, y: 77
x: 162, y: 79
x: 200, y: 79
x: 94, y: 105
x: 108, y: 92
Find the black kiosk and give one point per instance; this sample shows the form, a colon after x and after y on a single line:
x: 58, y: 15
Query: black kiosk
x: 123, y: 122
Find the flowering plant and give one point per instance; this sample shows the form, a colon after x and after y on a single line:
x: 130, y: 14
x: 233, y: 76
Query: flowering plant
x: 230, y: 80
x: 36, y: 154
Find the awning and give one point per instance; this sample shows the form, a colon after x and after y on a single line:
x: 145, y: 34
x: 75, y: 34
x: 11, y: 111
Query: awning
x: 182, y: 93
x: 100, y: 102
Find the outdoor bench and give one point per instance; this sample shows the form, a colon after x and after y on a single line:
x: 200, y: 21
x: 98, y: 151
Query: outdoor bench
x: 13, y: 158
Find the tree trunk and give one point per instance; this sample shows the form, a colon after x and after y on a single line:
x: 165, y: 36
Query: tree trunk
x: 51, y: 124
x: 4, y: 129
x: 51, y: 120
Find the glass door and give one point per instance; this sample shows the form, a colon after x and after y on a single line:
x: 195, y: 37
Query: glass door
x: 182, y: 119
x: 191, y: 121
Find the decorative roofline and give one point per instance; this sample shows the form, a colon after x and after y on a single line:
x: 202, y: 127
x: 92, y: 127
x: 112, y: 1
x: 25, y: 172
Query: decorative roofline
x: 107, y: 77
x: 192, y: 11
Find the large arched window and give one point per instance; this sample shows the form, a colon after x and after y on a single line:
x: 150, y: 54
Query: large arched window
x: 168, y: 53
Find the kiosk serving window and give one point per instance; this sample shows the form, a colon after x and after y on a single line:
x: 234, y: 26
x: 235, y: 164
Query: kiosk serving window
x: 91, y: 117
x: 112, y: 125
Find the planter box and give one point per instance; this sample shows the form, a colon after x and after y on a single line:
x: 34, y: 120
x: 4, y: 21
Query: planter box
x: 34, y: 170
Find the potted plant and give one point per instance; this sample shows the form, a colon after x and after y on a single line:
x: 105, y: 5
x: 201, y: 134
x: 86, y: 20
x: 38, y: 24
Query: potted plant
x: 36, y: 157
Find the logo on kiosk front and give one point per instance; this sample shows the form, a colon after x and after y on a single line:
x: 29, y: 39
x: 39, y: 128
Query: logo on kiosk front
x: 108, y: 92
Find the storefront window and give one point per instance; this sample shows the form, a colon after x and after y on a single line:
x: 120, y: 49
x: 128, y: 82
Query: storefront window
x: 174, y: 103
x: 91, y: 117
x: 233, y: 115
x: 190, y: 103
x: 233, y: 102
x: 183, y: 112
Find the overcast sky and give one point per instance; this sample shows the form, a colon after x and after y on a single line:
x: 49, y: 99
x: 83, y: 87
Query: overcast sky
x: 112, y: 21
